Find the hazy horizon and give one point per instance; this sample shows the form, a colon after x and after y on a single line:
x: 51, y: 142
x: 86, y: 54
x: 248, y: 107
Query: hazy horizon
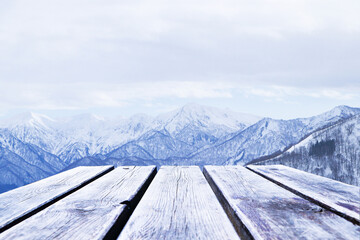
x: 115, y: 116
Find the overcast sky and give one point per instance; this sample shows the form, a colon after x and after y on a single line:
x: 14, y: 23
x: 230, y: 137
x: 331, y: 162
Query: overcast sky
x: 276, y: 58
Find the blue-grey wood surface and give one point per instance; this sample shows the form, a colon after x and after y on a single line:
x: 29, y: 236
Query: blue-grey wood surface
x: 264, y: 210
x: 334, y: 195
x: 179, y: 204
x: 89, y: 213
x: 22, y: 202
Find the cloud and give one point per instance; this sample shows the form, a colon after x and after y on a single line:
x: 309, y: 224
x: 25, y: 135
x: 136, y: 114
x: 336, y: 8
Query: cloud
x: 282, y: 92
x: 71, y: 96
x: 64, y: 54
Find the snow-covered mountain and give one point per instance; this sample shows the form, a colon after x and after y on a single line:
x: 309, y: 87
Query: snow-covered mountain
x: 87, y: 134
x: 33, y: 146
x: 22, y: 163
x: 333, y: 152
x: 32, y: 128
x: 15, y: 171
x: 266, y: 137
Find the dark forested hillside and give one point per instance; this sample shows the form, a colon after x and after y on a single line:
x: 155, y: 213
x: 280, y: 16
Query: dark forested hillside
x: 333, y: 152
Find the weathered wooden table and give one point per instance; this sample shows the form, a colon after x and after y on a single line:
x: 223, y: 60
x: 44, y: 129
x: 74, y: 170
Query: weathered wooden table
x: 182, y: 202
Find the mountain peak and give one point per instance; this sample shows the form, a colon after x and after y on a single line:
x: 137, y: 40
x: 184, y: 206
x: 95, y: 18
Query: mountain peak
x: 29, y: 115
x: 193, y: 107
x: 27, y: 119
x: 344, y: 108
x: 88, y: 117
x: 140, y: 117
x: 341, y: 111
x: 207, y: 117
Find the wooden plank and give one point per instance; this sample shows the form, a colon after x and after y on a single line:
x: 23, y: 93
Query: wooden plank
x: 96, y: 211
x: 343, y: 199
x: 262, y: 210
x: 179, y: 204
x: 23, y: 202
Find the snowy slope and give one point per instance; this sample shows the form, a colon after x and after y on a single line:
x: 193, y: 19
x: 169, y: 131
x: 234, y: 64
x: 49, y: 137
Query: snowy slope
x: 266, y: 137
x: 33, y: 128
x: 333, y: 152
x: 208, y: 119
x: 31, y: 153
x: 15, y: 171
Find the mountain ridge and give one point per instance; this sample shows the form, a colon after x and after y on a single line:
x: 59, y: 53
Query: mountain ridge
x: 191, y: 135
x: 331, y: 152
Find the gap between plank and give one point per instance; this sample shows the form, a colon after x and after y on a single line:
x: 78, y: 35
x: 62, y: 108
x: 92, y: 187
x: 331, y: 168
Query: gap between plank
x: 240, y: 228
x: 61, y: 196
x: 310, y: 199
x: 131, y: 204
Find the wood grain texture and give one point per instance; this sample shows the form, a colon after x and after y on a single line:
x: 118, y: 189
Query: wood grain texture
x: 90, y: 212
x: 179, y: 204
x: 339, y: 197
x: 23, y: 202
x: 268, y: 211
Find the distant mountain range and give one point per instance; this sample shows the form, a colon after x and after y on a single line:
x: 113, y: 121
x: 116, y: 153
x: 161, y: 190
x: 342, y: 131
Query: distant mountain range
x: 34, y: 146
